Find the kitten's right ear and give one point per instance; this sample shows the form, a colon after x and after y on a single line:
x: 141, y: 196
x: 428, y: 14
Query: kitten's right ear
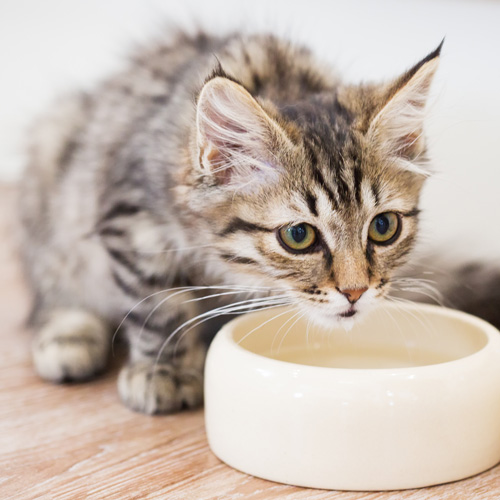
x: 235, y: 135
x: 398, y: 124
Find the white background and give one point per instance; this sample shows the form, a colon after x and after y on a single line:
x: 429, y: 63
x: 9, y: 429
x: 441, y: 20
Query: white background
x: 54, y: 45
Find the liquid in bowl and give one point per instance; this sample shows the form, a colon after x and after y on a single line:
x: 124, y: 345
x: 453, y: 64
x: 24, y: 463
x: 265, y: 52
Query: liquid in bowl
x: 331, y: 357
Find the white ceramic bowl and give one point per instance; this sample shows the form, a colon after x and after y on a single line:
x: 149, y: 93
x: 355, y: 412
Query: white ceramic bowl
x: 409, y: 398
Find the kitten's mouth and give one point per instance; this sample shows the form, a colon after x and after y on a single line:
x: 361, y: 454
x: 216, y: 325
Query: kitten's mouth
x: 328, y: 318
x: 349, y: 313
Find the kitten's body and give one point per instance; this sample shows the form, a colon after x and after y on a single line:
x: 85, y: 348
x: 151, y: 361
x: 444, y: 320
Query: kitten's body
x: 126, y: 195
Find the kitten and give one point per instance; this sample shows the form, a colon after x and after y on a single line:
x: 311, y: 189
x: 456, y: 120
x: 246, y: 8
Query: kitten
x: 214, y: 166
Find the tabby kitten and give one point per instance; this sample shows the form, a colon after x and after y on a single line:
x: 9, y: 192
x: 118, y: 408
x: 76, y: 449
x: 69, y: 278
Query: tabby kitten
x: 212, y: 166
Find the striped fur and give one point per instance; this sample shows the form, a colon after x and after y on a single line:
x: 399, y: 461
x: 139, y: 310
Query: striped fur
x: 179, y: 172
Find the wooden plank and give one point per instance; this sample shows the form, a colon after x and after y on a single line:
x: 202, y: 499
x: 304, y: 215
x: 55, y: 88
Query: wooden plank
x: 79, y: 442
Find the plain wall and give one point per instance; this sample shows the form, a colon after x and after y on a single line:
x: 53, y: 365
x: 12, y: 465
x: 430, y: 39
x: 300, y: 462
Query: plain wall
x: 51, y: 46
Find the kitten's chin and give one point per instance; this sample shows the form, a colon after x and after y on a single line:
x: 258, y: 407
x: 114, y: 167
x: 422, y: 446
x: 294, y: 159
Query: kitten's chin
x: 329, y: 319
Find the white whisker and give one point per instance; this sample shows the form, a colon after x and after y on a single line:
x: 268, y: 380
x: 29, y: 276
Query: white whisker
x: 276, y: 335
x: 242, y: 306
x: 259, y: 308
x: 206, y: 297
x: 288, y: 330
x: 181, y: 290
x: 264, y: 323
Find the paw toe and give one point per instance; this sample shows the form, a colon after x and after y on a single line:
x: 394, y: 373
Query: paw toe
x: 190, y: 386
x: 156, y: 389
x: 70, y: 350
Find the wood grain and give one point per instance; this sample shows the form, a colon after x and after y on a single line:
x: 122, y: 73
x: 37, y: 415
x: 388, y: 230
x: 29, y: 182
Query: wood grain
x: 79, y: 442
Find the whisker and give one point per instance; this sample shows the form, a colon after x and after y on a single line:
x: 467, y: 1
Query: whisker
x: 400, y: 331
x: 168, y: 250
x: 132, y: 309
x: 437, y: 298
x: 242, y: 306
x: 206, y: 297
x: 179, y: 289
x: 265, y: 323
x: 307, y: 331
x: 215, y: 295
x: 418, y: 285
x: 426, y: 324
x: 288, y: 330
x: 260, y: 308
x: 276, y: 335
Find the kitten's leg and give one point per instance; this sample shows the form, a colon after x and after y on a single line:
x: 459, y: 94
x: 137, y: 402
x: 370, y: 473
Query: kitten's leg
x: 71, y: 345
x: 163, y: 376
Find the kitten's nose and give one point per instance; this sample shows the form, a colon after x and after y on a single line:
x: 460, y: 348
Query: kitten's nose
x: 353, y: 294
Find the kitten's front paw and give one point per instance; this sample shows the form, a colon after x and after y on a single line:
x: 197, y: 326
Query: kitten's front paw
x: 157, y: 388
x: 72, y: 346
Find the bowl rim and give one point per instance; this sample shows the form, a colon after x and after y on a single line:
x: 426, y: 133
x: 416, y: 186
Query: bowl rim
x: 491, y: 332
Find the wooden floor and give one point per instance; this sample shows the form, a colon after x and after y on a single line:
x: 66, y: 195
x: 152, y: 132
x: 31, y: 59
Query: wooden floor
x: 79, y: 442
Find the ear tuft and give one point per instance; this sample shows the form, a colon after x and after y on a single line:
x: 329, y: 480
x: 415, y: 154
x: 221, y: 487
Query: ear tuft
x: 220, y: 72
x: 398, y: 125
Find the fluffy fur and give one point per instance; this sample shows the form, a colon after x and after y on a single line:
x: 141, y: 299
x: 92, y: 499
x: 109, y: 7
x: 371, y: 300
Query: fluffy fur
x: 177, y: 175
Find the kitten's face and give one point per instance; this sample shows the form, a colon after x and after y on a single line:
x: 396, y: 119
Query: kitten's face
x: 318, y: 199
x: 333, y: 250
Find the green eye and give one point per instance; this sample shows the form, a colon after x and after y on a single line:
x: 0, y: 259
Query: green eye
x: 297, y: 238
x: 384, y: 228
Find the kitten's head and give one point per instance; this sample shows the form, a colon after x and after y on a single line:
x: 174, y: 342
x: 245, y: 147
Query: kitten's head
x: 319, y: 197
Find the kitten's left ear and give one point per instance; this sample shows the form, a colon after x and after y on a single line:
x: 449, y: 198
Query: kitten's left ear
x: 236, y: 137
x: 398, y: 125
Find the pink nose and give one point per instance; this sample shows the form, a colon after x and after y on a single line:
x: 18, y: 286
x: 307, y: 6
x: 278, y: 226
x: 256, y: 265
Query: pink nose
x: 353, y: 294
